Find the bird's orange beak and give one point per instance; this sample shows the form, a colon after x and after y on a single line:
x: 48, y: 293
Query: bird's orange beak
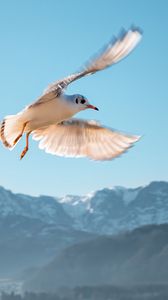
x: 92, y: 107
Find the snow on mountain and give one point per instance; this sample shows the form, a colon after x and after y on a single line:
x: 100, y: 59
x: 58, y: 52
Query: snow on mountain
x: 107, y: 211
x: 44, y: 208
x: 75, y: 206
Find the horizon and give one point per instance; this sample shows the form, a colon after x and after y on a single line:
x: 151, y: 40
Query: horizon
x: 86, y: 194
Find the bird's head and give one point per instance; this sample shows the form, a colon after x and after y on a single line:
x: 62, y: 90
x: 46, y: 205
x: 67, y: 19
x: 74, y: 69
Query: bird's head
x: 82, y: 103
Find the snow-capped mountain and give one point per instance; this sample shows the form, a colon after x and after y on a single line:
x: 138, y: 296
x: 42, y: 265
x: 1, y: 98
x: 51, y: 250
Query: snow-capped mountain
x: 110, y: 211
x: 44, y: 208
x: 107, y: 211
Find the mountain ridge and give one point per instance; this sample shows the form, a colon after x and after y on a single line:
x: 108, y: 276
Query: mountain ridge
x: 106, y: 211
x: 136, y: 257
x: 34, y: 230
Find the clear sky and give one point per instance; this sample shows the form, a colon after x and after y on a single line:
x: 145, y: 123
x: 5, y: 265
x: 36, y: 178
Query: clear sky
x: 44, y: 40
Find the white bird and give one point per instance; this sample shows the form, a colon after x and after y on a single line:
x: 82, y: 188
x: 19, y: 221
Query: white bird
x: 49, y: 119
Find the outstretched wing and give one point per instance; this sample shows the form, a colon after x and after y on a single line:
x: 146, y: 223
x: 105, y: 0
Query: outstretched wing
x: 80, y: 138
x: 112, y: 53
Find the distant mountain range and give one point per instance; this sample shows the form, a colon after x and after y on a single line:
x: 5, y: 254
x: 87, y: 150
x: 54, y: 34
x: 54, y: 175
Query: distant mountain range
x: 107, y: 211
x: 118, y: 209
x: 34, y: 230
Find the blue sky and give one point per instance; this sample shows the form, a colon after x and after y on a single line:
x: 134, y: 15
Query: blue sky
x: 41, y: 41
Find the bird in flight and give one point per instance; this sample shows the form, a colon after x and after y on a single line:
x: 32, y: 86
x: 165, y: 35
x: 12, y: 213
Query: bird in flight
x: 49, y: 119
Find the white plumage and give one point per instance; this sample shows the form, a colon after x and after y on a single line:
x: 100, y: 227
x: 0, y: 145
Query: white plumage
x: 49, y: 118
x: 79, y: 138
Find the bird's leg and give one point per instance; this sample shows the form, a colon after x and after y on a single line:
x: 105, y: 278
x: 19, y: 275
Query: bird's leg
x: 27, y: 146
x: 20, y: 135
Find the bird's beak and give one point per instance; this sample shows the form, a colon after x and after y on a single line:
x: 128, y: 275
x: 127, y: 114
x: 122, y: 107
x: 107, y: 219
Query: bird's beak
x: 92, y: 107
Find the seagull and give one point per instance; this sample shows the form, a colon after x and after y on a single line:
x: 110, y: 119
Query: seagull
x: 49, y: 119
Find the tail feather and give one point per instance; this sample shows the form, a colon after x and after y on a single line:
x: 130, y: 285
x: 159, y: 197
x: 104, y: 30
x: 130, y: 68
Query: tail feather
x: 11, y: 127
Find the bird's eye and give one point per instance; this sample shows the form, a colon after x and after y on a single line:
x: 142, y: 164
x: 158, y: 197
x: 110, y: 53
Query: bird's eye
x: 83, y: 101
x: 76, y: 100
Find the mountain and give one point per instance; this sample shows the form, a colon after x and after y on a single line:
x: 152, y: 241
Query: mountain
x: 34, y: 230
x: 137, y: 257
x: 110, y: 211
x: 28, y: 242
x: 107, y: 211
x: 44, y: 208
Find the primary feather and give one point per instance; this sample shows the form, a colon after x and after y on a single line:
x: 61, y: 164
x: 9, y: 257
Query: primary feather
x: 112, y: 53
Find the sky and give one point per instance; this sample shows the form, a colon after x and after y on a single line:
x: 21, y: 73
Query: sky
x: 45, y: 40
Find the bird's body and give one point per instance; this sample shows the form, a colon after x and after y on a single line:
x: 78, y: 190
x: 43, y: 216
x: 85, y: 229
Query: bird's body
x: 49, y: 118
x: 45, y: 114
